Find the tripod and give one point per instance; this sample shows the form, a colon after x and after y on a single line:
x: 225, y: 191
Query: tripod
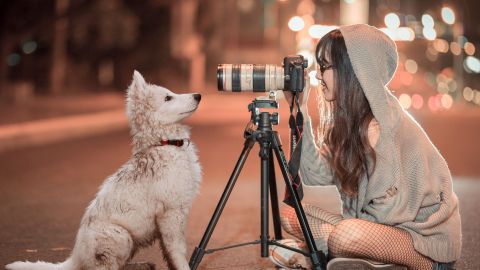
x: 269, y: 142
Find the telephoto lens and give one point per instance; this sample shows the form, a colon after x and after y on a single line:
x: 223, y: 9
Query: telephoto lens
x: 250, y: 77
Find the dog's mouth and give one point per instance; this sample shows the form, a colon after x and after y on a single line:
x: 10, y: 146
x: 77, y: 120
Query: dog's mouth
x: 194, y: 109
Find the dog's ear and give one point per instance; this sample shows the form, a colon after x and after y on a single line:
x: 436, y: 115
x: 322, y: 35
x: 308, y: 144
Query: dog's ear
x: 138, y: 82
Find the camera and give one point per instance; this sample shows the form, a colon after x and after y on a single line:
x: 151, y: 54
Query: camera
x: 263, y: 77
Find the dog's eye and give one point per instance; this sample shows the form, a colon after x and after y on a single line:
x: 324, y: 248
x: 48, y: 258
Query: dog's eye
x: 168, y: 98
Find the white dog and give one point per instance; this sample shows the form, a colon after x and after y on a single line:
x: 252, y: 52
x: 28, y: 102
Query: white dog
x: 150, y: 196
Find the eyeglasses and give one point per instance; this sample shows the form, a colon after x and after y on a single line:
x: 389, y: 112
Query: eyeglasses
x: 322, y: 67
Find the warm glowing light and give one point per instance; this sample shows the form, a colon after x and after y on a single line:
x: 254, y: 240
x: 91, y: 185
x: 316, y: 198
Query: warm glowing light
x: 318, y: 31
x: 431, y: 54
x: 405, y: 101
x: 442, y: 88
x: 296, y: 23
x: 468, y: 93
x: 455, y: 48
x: 392, y: 20
x: 472, y: 64
x: 476, y: 99
x: 406, y: 33
x: 411, y: 66
x: 427, y: 21
x: 429, y: 33
x: 313, y: 79
x: 440, y: 45
x: 401, y: 33
x: 452, y: 85
x: 441, y: 78
x: 417, y: 101
x: 446, y: 101
x: 29, y: 47
x: 469, y: 48
x: 448, y: 15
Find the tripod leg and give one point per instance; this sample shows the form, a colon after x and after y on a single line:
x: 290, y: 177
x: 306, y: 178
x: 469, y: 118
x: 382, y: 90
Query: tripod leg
x: 318, y: 258
x: 199, y: 251
x: 274, y: 199
x: 265, y: 150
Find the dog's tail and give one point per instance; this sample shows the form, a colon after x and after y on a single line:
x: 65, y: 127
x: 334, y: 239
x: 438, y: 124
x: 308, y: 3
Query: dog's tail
x: 39, y: 265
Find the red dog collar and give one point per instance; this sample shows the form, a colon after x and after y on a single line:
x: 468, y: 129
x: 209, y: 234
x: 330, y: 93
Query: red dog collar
x: 177, y: 143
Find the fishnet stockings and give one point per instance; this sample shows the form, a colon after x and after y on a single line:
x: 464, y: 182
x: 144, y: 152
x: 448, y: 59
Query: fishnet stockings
x: 357, y: 238
x: 321, y: 223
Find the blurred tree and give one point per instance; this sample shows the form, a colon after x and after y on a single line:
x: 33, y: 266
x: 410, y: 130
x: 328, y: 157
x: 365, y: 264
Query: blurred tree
x: 25, y: 22
x: 100, y: 32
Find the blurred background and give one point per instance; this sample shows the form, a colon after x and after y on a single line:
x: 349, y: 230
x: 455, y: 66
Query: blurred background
x: 55, y: 49
x: 65, y: 66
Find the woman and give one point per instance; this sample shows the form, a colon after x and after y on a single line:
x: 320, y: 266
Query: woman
x: 396, y: 188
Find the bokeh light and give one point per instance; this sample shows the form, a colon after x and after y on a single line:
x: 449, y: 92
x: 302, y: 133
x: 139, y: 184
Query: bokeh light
x: 296, y: 23
x: 411, y: 66
x: 406, y: 33
x: 476, y: 98
x: 442, y: 88
x: 405, y: 101
x: 469, y: 48
x: 29, y: 47
x: 313, y: 79
x: 440, y: 45
x: 392, y: 20
x: 431, y: 54
x: 455, y: 48
x: 448, y: 15
x: 417, y: 101
x: 318, y: 31
x: 429, y: 33
x: 401, y: 33
x: 428, y: 21
x: 447, y: 101
x: 468, y: 93
x: 472, y: 64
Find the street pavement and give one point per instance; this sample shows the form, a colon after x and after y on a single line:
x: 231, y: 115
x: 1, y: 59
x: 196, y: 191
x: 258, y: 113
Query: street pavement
x: 45, y: 189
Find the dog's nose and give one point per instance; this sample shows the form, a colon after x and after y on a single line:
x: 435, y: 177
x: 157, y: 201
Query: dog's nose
x: 197, y: 97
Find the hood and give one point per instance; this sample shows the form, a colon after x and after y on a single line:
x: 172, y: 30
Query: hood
x: 374, y: 60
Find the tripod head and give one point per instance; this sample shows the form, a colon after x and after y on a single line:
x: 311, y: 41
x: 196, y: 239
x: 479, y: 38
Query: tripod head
x: 264, y: 102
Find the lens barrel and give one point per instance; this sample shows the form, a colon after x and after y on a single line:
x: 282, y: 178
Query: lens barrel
x: 250, y: 77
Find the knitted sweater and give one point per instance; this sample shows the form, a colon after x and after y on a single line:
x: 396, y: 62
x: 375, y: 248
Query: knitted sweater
x: 411, y: 186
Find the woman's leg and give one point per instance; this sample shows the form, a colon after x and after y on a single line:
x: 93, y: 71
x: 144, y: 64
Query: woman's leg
x: 321, y: 223
x: 363, y: 239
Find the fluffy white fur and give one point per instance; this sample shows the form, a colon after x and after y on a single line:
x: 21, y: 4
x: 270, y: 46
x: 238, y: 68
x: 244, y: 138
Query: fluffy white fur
x: 149, y: 197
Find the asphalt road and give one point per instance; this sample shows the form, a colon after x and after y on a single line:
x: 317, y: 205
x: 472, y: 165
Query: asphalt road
x: 44, y: 191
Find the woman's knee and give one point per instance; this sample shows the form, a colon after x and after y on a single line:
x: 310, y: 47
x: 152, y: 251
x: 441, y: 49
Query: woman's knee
x: 347, y: 234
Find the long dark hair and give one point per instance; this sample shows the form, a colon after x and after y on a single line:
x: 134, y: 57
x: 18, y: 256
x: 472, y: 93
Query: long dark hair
x: 347, y: 137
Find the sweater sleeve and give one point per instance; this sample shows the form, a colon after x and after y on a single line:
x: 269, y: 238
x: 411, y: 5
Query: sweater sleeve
x: 314, y: 168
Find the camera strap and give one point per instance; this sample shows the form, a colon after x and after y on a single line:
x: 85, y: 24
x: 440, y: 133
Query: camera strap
x: 296, y: 130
